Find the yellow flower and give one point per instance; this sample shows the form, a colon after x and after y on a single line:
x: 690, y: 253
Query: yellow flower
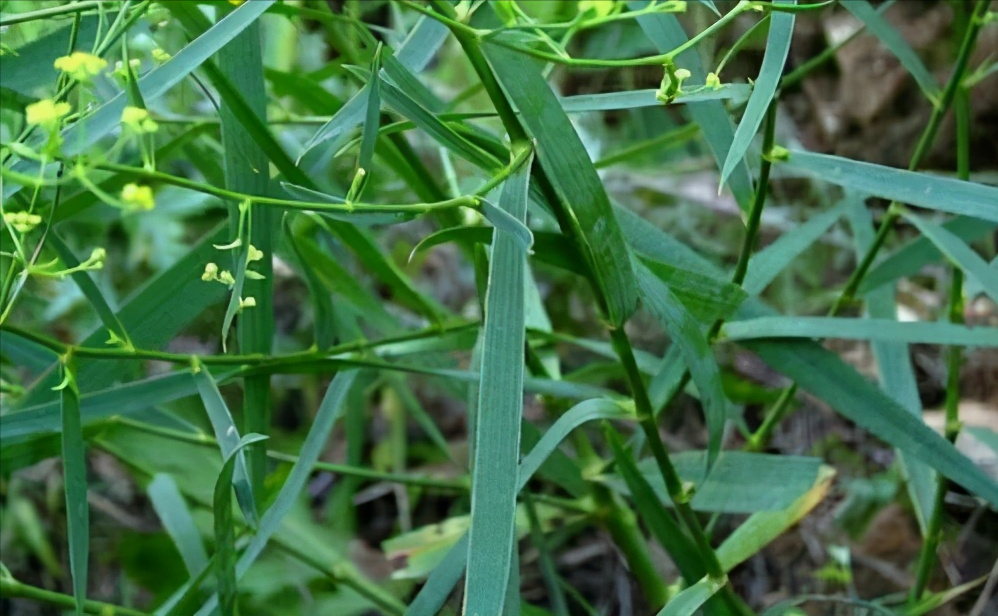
x: 160, y: 55
x: 254, y: 254
x: 210, y: 272
x: 22, y: 221
x: 713, y: 81
x: 138, y: 197
x: 121, y: 72
x: 226, y: 278
x: 138, y: 120
x: 236, y: 2
x: 601, y: 8
x: 247, y: 302
x: 46, y: 113
x: 81, y: 65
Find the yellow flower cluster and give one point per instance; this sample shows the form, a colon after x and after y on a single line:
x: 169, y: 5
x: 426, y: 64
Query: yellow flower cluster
x: 138, y: 120
x: 211, y: 272
x: 138, y: 197
x: 22, y: 221
x: 81, y: 65
x: 46, y: 113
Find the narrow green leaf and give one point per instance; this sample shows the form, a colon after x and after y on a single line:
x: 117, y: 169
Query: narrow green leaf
x: 227, y: 436
x: 919, y: 189
x: 691, y: 599
x: 74, y: 471
x: 766, y: 264
x: 686, y: 333
x: 739, y: 482
x: 584, y: 412
x: 119, y: 400
x: 892, y: 40
x: 781, y: 28
x: 426, y: 120
x: 916, y: 254
x: 583, y: 208
x: 761, y: 528
x: 178, y: 522
x: 505, y: 222
x: 417, y: 50
x: 434, y: 593
x: 225, y: 528
x: 960, y: 254
x: 937, y: 332
x: 372, y: 122
x: 822, y: 373
x: 635, y: 99
x: 706, y: 298
x: 329, y: 411
x: 500, y: 409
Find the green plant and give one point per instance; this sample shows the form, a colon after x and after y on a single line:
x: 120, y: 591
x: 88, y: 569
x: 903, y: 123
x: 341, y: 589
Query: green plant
x: 159, y: 139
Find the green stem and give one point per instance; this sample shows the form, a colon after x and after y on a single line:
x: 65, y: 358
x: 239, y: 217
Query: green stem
x: 471, y: 44
x: 673, y: 482
x: 471, y: 201
x: 11, y: 588
x: 60, y: 348
x: 623, y: 527
x: 50, y: 12
x: 759, y: 200
x: 954, y: 357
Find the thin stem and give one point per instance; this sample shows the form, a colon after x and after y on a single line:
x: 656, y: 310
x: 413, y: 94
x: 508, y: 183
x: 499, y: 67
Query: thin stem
x: 659, y: 59
x: 200, y: 438
x: 256, y: 359
x: 11, y: 588
x: 50, y: 12
x: 471, y: 44
x: 954, y: 357
x: 673, y: 482
x: 759, y: 200
x: 164, y: 178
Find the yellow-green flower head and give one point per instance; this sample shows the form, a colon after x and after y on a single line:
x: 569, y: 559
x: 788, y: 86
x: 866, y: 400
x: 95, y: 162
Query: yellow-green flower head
x: 138, y: 120
x: 96, y: 259
x: 247, y: 302
x: 601, y: 8
x: 46, y: 113
x: 159, y: 55
x: 81, y: 65
x: 121, y: 72
x: 254, y: 254
x: 713, y: 81
x: 210, y: 272
x: 138, y: 197
x: 22, y: 221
